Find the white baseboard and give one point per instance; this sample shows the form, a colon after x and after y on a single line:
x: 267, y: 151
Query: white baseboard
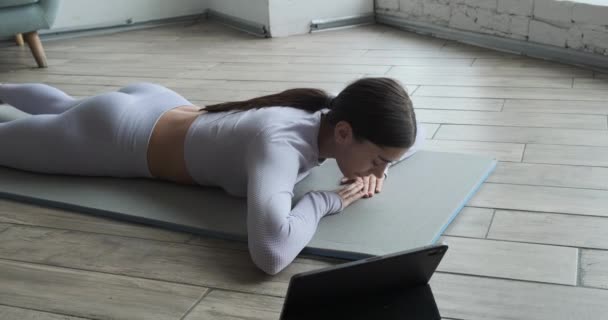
x: 324, y: 24
x: 251, y: 27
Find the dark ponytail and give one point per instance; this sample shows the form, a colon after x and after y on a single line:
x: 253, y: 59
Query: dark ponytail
x: 302, y: 98
x: 378, y: 109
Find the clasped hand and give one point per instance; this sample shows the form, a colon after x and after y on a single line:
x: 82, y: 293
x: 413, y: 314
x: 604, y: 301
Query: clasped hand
x: 361, y: 187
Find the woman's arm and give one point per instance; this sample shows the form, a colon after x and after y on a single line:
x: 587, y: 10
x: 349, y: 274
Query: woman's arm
x: 276, y: 231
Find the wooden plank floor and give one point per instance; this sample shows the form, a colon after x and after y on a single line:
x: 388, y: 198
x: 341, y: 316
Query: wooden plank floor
x: 532, y: 244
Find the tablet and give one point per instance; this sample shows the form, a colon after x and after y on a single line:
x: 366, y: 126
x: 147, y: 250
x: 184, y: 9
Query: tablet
x: 393, y: 286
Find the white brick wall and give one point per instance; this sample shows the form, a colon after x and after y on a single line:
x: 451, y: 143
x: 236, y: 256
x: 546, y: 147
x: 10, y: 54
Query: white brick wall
x: 596, y: 40
x: 486, y: 4
x: 519, y: 25
x: 567, y: 24
x: 460, y: 20
x: 590, y: 14
x: 545, y: 33
x: 574, y: 39
x: 437, y: 11
x: 484, y: 17
x: 516, y: 7
x: 412, y: 7
x: 388, y: 4
x: 500, y: 22
x: 558, y: 12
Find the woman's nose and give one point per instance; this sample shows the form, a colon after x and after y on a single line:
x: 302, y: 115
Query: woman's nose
x: 379, y: 171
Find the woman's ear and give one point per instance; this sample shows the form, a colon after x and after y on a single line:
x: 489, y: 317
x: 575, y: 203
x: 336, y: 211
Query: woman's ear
x: 343, y: 132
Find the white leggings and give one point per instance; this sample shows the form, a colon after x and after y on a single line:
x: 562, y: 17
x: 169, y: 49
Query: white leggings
x: 103, y: 135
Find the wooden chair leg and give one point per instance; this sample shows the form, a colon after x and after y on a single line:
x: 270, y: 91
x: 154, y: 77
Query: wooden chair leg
x: 19, y: 39
x: 33, y: 40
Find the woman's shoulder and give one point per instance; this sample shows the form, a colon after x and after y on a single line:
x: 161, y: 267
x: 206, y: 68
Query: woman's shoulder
x: 291, y: 126
x: 296, y: 136
x: 281, y: 113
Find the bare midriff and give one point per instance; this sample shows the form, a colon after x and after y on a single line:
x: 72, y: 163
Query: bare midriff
x: 166, y: 148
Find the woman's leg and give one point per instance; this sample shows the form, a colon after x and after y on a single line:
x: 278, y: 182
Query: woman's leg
x: 98, y: 137
x: 36, y: 98
x: 104, y: 135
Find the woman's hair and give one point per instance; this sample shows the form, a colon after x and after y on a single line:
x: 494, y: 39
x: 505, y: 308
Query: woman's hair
x: 378, y: 109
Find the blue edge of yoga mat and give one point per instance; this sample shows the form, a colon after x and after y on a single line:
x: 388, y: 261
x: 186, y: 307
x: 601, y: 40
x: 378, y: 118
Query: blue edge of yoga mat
x: 466, y: 199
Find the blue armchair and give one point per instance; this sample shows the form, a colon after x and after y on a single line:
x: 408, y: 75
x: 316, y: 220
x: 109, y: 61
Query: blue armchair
x: 23, y: 19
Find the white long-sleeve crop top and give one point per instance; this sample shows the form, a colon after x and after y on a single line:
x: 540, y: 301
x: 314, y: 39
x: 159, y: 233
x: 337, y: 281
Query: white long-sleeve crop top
x: 261, y: 154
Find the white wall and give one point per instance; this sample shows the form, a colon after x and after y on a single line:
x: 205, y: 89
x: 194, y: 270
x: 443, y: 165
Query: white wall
x: 250, y: 10
x: 579, y: 25
x: 82, y: 14
x: 282, y: 17
x: 289, y: 17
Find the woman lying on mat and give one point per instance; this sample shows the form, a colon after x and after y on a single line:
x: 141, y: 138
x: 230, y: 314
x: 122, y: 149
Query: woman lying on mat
x: 259, y: 148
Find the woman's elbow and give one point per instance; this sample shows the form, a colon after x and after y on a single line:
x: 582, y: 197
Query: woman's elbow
x: 268, y: 260
x: 270, y: 269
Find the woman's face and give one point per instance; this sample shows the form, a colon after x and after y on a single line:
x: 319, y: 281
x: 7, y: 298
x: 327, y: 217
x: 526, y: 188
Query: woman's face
x: 362, y: 158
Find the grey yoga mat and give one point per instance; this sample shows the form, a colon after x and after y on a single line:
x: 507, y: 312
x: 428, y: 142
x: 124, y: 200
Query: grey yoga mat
x: 420, y: 198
